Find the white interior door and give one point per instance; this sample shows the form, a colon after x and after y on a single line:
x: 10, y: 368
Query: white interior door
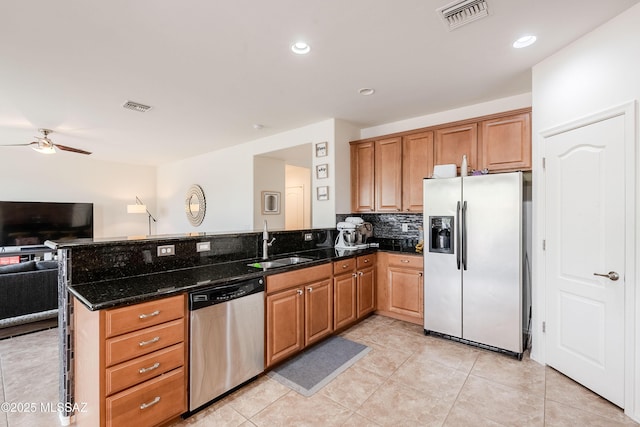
x: 585, y: 235
x: 294, y: 208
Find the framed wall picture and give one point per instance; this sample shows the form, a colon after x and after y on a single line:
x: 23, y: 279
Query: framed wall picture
x: 270, y: 202
x: 321, y: 149
x: 322, y: 171
x: 323, y: 193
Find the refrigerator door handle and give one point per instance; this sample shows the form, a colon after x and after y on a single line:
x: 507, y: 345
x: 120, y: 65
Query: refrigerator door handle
x: 464, y: 235
x: 458, y: 237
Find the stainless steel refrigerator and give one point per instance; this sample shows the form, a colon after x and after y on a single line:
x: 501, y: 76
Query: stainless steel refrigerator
x: 473, y: 259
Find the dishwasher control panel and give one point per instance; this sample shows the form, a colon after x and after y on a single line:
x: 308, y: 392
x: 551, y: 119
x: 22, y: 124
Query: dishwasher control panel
x: 224, y: 292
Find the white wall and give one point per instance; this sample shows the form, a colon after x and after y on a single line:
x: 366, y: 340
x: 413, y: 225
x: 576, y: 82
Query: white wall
x: 599, y: 71
x: 344, y: 133
x: 226, y: 177
x: 26, y: 175
x: 466, y: 112
x: 269, y: 175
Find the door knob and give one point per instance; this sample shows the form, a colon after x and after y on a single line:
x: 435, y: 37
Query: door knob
x: 612, y: 275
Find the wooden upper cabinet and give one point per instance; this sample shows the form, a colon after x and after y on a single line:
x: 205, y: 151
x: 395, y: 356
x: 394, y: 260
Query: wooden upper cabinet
x: 388, y: 175
x: 417, y: 164
x: 362, y: 176
x: 505, y: 143
x: 453, y: 142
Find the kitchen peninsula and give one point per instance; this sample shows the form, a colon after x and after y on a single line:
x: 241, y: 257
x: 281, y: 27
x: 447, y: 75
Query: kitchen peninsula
x: 116, y: 291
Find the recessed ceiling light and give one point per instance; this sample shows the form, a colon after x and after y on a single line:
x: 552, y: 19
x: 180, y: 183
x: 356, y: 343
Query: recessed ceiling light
x: 366, y: 91
x: 258, y: 126
x: 524, y: 41
x: 300, y: 48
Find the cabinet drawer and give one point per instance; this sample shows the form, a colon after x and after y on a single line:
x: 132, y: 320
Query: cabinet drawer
x: 135, y: 371
x: 410, y: 261
x: 279, y: 282
x: 344, y: 266
x: 365, y: 261
x: 149, y: 403
x: 127, y: 319
x: 135, y: 344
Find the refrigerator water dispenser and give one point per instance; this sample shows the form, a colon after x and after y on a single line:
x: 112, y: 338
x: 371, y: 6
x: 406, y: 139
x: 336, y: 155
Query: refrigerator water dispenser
x: 440, y: 234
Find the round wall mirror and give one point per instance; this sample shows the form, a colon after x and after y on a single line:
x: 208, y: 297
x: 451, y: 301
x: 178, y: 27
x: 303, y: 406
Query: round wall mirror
x: 195, y: 205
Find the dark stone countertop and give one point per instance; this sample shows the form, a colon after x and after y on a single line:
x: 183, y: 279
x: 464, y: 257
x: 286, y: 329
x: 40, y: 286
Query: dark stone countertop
x: 132, y: 290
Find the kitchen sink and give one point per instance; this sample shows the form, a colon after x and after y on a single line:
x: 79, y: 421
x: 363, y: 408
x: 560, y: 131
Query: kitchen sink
x: 280, y: 262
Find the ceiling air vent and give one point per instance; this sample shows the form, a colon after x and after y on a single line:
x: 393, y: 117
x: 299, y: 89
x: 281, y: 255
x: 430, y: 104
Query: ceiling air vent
x: 130, y: 105
x: 459, y: 13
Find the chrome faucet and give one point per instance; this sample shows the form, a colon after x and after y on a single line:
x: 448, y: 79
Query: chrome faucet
x: 265, y: 241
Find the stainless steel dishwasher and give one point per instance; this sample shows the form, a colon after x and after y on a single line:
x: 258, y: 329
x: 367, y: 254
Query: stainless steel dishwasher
x: 226, y: 346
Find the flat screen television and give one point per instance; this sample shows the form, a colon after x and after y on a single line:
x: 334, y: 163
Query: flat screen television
x: 33, y: 223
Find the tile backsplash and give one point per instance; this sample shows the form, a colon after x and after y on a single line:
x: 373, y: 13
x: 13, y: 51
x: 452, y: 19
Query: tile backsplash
x: 389, y: 225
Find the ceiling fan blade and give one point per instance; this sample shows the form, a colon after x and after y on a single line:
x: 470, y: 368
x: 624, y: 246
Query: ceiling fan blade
x: 17, y: 145
x: 71, y: 149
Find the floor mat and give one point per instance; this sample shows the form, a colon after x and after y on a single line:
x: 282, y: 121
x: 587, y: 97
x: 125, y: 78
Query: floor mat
x: 317, y: 366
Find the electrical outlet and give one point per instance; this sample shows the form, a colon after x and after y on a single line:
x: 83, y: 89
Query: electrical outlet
x: 166, y: 250
x: 308, y: 237
x: 203, y: 246
x: 405, y: 227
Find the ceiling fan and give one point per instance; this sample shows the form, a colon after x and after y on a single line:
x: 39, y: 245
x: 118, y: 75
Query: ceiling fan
x: 44, y: 145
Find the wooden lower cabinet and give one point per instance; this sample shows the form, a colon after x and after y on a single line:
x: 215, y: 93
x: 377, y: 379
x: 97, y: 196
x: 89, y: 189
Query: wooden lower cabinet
x: 318, y: 311
x: 400, y: 286
x: 149, y: 403
x: 345, y: 293
x: 353, y: 289
x: 366, y: 284
x: 285, y: 323
x: 130, y: 363
x: 299, y: 307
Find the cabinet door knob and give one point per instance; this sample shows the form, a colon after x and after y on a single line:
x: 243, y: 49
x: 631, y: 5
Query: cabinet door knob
x: 355, y: 274
x: 299, y: 291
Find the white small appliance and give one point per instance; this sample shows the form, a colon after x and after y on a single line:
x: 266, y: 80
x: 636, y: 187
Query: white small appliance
x: 346, y: 235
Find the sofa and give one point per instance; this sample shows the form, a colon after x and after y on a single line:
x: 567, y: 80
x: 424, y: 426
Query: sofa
x: 28, y: 290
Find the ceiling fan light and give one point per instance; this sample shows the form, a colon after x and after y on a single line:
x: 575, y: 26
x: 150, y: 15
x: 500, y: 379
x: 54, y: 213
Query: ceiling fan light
x: 44, y: 149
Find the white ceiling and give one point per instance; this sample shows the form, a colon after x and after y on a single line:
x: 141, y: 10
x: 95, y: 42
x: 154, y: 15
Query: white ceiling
x: 212, y: 69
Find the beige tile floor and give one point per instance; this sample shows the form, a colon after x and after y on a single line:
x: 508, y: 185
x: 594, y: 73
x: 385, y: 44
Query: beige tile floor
x: 408, y: 379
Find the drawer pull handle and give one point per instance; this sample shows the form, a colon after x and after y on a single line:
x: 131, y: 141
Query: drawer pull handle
x: 144, y: 316
x: 345, y: 266
x: 404, y: 260
x: 366, y: 261
x: 153, y: 402
x: 151, y: 341
x: 150, y: 368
